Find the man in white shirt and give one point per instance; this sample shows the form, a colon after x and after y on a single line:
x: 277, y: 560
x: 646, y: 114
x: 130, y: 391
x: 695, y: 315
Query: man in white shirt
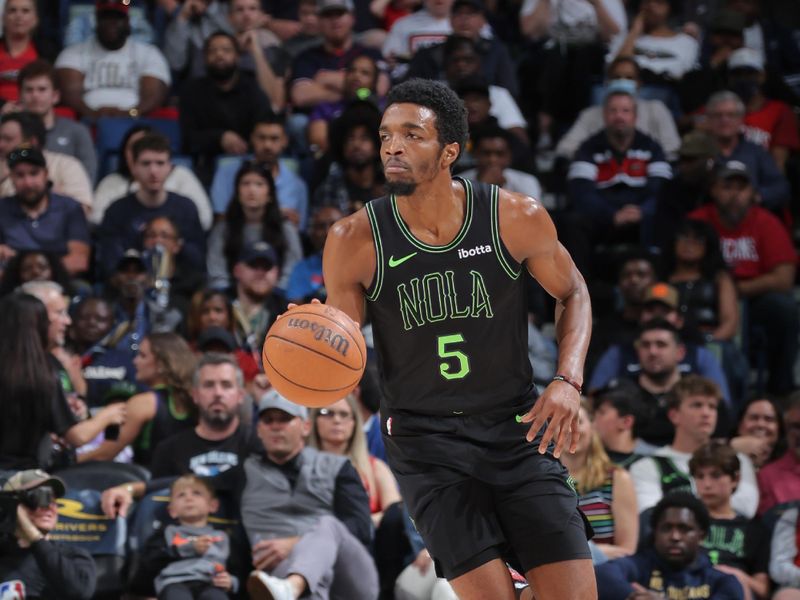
x: 692, y: 408
x: 111, y: 75
x: 426, y: 27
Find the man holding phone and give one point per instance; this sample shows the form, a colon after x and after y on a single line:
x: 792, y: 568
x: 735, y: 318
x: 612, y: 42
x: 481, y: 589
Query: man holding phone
x: 31, y: 566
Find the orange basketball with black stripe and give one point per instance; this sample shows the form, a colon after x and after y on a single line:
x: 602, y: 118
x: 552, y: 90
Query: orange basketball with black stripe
x: 314, y: 355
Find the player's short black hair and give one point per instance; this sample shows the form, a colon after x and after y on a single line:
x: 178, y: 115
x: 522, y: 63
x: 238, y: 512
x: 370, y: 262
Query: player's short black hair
x: 681, y: 500
x: 451, y: 115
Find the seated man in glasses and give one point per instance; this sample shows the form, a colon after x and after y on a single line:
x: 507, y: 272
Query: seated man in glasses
x: 31, y: 566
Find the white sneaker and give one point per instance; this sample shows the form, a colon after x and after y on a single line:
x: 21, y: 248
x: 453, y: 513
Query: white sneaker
x: 261, y: 586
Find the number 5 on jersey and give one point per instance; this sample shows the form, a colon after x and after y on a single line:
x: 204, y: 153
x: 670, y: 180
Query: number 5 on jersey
x: 449, y: 370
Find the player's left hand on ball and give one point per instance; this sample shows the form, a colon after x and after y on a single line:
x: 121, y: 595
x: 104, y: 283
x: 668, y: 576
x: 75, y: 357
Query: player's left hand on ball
x: 558, y: 407
x: 292, y: 305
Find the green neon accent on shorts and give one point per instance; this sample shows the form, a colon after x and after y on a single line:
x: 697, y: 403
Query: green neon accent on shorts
x: 518, y: 418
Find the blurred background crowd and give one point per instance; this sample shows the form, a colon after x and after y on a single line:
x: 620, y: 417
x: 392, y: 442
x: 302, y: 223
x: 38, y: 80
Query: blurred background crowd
x: 169, y: 171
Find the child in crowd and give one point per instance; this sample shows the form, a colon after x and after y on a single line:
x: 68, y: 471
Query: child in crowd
x: 735, y: 544
x: 192, y: 553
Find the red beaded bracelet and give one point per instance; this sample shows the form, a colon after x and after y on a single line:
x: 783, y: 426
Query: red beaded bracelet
x: 572, y: 382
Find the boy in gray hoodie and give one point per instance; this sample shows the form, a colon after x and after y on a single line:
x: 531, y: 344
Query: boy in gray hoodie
x: 195, y: 553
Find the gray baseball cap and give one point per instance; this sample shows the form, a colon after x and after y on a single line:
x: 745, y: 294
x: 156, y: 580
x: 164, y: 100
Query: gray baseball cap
x: 272, y: 399
x: 324, y: 6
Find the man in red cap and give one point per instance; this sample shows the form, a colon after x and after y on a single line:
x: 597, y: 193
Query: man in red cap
x: 763, y: 262
x: 109, y: 74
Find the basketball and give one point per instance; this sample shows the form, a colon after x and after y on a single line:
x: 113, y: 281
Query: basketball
x: 314, y: 355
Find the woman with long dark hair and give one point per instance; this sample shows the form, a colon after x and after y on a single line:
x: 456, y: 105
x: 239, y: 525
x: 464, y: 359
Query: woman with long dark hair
x: 165, y: 364
x: 33, y: 404
x: 29, y: 392
x: 181, y: 180
x: 253, y: 215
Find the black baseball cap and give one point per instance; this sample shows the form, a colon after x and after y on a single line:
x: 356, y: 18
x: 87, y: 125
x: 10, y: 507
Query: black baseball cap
x: 478, y: 5
x: 131, y: 255
x: 26, y: 154
x: 733, y: 169
x: 258, y: 251
x: 216, y: 335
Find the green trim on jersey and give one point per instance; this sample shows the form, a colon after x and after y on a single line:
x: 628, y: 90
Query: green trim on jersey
x: 427, y: 247
x: 495, y: 212
x: 376, y: 237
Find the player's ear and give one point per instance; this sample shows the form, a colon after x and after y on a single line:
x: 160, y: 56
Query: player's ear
x: 450, y: 154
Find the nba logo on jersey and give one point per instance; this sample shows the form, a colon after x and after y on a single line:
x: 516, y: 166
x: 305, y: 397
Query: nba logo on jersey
x: 12, y: 590
x: 388, y: 432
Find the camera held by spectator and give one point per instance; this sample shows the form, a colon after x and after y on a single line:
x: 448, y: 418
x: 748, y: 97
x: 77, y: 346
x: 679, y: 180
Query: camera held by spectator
x: 30, y: 563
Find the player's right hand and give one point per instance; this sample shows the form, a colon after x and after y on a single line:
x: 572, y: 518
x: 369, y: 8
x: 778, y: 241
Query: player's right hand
x: 558, y: 406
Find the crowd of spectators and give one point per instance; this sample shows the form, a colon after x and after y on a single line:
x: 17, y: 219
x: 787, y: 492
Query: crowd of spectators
x: 169, y: 170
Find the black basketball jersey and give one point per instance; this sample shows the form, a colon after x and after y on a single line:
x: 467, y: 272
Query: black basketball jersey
x: 449, y: 322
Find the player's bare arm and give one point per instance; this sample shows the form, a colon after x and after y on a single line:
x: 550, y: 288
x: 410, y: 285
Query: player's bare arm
x: 348, y: 264
x: 530, y: 236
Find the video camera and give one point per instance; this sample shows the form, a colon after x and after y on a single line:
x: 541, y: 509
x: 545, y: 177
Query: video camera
x: 38, y: 497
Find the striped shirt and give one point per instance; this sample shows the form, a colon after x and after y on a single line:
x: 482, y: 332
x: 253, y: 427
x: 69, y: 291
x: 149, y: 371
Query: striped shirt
x: 596, y: 505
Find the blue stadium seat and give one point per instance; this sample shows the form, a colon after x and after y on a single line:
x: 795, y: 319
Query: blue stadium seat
x: 111, y: 131
x: 82, y: 522
x: 183, y: 160
x: 101, y: 475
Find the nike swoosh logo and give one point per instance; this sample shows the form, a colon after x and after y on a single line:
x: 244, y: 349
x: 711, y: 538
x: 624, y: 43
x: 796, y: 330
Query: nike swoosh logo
x: 396, y: 263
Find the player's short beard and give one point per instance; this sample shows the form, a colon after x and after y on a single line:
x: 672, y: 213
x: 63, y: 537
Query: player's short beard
x: 401, y: 188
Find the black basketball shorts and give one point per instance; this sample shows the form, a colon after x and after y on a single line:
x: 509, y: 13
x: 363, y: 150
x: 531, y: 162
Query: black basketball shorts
x: 477, y: 490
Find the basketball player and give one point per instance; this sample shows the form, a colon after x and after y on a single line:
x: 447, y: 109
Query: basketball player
x: 438, y: 266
